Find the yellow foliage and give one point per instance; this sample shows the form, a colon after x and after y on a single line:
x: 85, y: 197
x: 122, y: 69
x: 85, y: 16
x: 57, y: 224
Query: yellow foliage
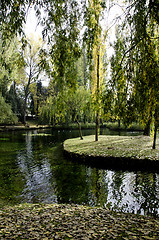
x: 98, y: 50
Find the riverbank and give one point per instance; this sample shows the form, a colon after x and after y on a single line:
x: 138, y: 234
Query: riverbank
x: 33, y: 124
x: 114, y: 152
x: 54, y: 221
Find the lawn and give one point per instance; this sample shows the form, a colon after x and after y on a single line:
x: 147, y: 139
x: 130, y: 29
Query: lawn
x: 129, y: 150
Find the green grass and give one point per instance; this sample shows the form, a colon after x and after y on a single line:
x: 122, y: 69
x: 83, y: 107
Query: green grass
x: 138, y: 147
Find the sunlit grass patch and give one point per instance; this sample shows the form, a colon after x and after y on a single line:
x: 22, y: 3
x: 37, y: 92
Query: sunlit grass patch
x: 4, y: 139
x: 114, y: 146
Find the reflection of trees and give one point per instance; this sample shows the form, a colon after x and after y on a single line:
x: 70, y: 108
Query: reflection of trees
x: 71, y: 183
x: 114, y: 189
x: 98, y: 187
x: 117, y: 188
x: 11, y: 184
x: 133, y: 192
x: 147, y: 186
x: 79, y: 184
x: 36, y: 169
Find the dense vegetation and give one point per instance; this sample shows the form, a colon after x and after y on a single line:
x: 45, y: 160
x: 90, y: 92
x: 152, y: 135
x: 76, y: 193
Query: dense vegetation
x: 84, y: 85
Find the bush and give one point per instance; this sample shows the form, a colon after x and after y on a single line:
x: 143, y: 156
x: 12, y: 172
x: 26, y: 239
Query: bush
x: 6, y: 114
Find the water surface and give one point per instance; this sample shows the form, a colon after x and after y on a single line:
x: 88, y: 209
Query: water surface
x: 34, y: 170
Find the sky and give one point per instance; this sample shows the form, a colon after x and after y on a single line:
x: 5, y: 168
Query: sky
x: 31, y: 27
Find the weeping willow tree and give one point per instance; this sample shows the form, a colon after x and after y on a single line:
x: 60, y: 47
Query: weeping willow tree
x: 61, y: 30
x: 139, y: 61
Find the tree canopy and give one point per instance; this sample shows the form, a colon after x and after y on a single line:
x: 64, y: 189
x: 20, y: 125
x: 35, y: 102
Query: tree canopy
x: 74, y: 57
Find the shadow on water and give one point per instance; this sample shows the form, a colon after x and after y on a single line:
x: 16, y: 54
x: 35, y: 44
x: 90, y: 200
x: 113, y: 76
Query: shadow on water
x: 33, y: 169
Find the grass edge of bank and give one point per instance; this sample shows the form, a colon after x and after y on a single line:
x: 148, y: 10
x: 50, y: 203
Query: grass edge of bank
x: 74, y: 126
x: 114, y: 152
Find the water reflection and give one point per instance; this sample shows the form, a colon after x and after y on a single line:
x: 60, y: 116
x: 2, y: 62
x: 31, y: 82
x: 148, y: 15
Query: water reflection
x: 34, y: 170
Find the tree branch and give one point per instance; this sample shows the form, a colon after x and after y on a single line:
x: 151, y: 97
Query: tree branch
x: 129, y: 50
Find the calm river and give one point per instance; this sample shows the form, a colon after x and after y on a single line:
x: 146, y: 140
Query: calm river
x: 33, y: 170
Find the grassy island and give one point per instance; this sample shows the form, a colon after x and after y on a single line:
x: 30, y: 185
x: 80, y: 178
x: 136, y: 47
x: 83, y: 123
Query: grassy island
x: 123, y: 152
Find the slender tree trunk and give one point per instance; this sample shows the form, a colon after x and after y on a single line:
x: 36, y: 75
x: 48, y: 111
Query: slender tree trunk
x: 26, y: 97
x: 97, y: 114
x: 85, y: 68
x: 97, y: 126
x: 79, y: 128
x: 155, y: 126
x: 154, y: 138
x: 25, y: 103
x: 118, y: 123
x: 85, y: 78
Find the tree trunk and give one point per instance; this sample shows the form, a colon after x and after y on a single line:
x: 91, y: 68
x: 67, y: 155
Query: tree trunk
x: 79, y: 128
x: 85, y: 69
x: 26, y: 97
x: 118, y: 123
x: 24, y: 118
x: 147, y: 128
x: 97, y: 114
x: 97, y: 126
x: 154, y: 138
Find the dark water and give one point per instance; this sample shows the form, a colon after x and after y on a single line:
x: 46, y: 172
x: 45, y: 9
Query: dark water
x: 33, y: 170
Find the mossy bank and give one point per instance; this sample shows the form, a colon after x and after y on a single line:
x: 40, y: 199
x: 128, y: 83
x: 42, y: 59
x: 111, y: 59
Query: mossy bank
x: 114, y: 152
